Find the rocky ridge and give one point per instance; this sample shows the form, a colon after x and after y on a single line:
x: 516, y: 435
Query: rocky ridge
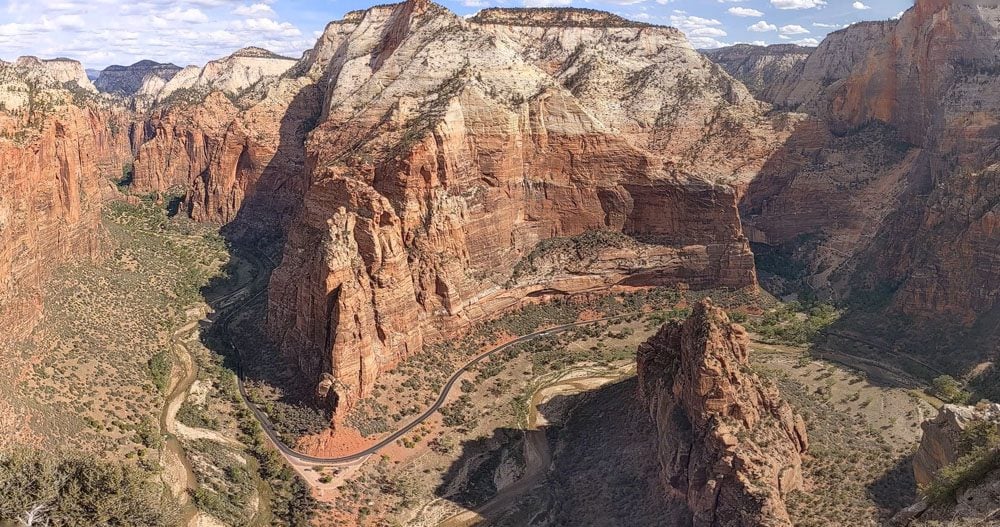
x: 729, y: 446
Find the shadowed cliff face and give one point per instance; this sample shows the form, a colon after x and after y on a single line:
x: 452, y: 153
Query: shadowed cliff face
x: 728, y: 446
x: 886, y: 193
x: 58, y: 154
x: 434, y: 174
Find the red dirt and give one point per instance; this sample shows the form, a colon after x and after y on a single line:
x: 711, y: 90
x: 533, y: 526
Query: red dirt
x: 332, y: 443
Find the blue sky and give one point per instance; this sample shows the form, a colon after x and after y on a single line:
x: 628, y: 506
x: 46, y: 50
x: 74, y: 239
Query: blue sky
x: 103, y: 32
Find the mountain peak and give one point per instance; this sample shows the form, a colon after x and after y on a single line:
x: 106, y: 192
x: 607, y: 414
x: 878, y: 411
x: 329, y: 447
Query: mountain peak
x: 257, y: 53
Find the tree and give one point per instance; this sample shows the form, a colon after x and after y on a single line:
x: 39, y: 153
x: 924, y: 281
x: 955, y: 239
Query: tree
x: 950, y: 390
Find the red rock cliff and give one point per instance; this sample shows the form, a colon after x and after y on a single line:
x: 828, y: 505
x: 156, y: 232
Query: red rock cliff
x: 57, y: 160
x: 729, y: 447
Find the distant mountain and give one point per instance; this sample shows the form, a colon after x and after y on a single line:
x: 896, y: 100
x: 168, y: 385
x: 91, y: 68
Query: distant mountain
x: 128, y: 80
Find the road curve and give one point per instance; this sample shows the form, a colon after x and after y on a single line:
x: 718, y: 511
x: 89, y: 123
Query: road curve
x: 265, y: 423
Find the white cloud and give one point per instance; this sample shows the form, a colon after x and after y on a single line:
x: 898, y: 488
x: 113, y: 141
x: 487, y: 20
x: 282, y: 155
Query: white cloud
x: 759, y: 43
x: 690, y: 22
x: 266, y: 25
x: 702, y: 32
x: 793, y: 29
x: 797, y: 4
x: 860, y: 5
x: 898, y: 15
x: 807, y: 42
x: 827, y: 26
x: 706, y: 43
x: 744, y: 11
x: 191, y: 15
x: 103, y: 32
x: 254, y: 10
x: 762, y: 27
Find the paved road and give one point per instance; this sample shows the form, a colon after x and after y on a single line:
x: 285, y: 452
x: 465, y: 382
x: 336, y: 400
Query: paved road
x: 226, y: 319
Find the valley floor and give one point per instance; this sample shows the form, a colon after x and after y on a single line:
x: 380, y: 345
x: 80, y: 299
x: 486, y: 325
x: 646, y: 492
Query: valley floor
x: 546, y: 432
x: 535, y: 433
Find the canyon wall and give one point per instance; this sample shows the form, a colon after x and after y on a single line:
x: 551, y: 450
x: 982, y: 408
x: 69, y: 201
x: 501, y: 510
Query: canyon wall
x: 729, y: 446
x: 230, y: 137
x: 59, y: 152
x: 886, y: 189
x: 764, y: 70
x: 435, y: 174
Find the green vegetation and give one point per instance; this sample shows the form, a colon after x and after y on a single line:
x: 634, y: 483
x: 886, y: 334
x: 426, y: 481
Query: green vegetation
x: 460, y: 414
x: 290, y: 500
x: 71, y: 491
x: 980, y: 444
x: 793, y: 323
x: 946, y: 388
x: 397, y: 489
x: 225, y: 483
x: 159, y: 370
x: 369, y: 417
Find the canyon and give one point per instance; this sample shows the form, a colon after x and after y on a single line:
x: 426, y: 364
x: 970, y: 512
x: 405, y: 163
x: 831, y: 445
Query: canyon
x: 396, y: 197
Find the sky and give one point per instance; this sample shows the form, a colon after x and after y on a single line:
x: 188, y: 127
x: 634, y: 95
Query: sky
x: 103, y: 32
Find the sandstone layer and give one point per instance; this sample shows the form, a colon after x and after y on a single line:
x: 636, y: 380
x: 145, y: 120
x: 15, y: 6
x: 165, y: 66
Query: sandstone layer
x: 728, y: 445
x: 434, y: 174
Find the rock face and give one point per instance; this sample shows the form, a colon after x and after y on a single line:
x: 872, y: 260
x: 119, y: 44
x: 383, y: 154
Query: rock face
x: 231, y: 75
x: 128, y: 80
x: 765, y: 70
x: 941, y: 443
x: 238, y: 132
x: 52, y: 72
x: 899, y: 160
x: 729, y: 447
x: 56, y: 157
x: 433, y: 174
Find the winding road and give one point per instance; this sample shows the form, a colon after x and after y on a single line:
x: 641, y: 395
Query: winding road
x: 225, y: 321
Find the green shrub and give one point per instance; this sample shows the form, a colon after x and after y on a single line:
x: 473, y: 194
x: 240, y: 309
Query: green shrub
x: 159, y: 370
x: 969, y: 470
x: 949, y: 390
x: 74, y: 491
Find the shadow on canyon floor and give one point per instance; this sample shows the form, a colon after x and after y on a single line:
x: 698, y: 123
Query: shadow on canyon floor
x: 255, y: 239
x: 602, y: 472
x: 896, y: 488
